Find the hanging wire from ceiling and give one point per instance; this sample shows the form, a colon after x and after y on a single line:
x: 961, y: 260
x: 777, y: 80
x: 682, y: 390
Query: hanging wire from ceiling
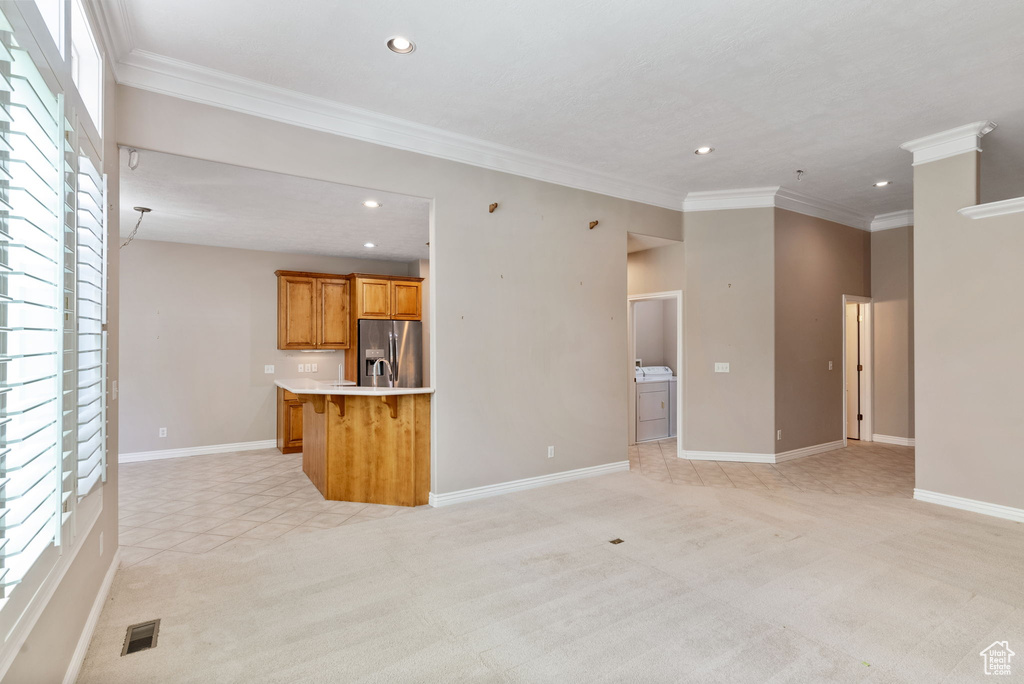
x: 142, y: 212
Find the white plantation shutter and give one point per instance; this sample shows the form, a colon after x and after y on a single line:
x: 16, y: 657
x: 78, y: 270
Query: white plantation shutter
x: 92, y: 314
x: 33, y: 272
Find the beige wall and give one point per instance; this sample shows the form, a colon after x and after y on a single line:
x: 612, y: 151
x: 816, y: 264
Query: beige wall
x: 198, y: 325
x: 661, y: 269
x: 649, y: 324
x: 729, y: 317
x: 513, y: 290
x: 50, y: 646
x: 968, y: 337
x: 892, y: 293
x: 670, y: 332
x: 816, y: 263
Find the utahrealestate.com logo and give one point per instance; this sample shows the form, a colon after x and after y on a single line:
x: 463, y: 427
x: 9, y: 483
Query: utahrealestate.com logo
x: 997, y: 658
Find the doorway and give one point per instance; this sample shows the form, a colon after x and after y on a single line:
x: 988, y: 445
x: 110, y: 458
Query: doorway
x: 857, y: 368
x: 655, y: 323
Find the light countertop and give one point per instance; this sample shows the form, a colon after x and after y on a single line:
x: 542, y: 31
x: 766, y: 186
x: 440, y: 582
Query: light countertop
x: 346, y: 387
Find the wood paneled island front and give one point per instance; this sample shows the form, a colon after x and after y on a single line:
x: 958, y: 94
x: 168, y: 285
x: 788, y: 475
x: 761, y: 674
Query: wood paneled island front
x: 370, y: 445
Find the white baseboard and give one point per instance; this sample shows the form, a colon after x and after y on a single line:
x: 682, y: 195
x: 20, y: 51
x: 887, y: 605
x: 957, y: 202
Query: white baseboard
x: 728, y: 456
x: 809, y: 451
x: 196, y: 451
x: 889, y: 439
x: 460, y: 496
x: 983, y: 507
x: 747, y: 457
x: 90, y: 624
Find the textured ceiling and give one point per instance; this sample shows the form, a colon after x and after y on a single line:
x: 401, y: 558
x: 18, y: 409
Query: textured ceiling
x: 208, y: 203
x: 631, y: 88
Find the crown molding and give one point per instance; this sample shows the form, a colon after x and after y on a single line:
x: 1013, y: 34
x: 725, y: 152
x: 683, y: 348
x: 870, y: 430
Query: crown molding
x: 989, y: 209
x: 167, y: 76
x: 743, y: 198
x: 819, y: 208
x: 895, y: 219
x: 115, y: 29
x: 774, y: 197
x: 949, y: 143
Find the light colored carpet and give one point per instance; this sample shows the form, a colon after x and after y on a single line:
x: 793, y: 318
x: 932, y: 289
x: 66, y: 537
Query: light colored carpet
x: 710, y: 585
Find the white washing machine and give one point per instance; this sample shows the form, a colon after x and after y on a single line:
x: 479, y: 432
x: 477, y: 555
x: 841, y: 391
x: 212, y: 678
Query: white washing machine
x: 655, y: 403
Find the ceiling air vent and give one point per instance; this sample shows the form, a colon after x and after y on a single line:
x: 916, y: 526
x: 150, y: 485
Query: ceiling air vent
x: 140, y: 637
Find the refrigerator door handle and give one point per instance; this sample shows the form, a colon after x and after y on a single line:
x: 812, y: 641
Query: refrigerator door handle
x: 393, y: 353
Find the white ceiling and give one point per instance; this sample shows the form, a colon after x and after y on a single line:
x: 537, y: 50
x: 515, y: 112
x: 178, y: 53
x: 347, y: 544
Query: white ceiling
x: 627, y: 90
x: 209, y: 203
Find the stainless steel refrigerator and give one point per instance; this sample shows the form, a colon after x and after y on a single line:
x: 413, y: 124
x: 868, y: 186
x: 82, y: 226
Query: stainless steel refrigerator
x: 401, y: 343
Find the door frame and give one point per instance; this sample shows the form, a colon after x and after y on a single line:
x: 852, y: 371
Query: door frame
x: 867, y: 404
x: 680, y: 357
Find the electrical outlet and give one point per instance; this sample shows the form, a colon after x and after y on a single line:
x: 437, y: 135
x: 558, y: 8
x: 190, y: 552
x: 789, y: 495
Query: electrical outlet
x: 162, y: 433
x: 830, y: 365
x: 300, y: 367
x: 113, y: 390
x: 268, y: 369
x: 101, y: 543
x: 314, y: 368
x: 721, y: 367
x: 778, y: 435
x: 551, y: 452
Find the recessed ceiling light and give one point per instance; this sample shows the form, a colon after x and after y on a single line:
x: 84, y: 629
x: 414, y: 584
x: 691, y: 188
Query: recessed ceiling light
x: 402, y: 46
x: 369, y: 245
x: 372, y: 204
x: 704, y: 150
x: 882, y: 184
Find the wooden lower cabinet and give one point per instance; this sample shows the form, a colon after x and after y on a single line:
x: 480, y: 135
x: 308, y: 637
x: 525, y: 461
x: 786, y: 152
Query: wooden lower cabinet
x: 369, y: 449
x: 289, y: 422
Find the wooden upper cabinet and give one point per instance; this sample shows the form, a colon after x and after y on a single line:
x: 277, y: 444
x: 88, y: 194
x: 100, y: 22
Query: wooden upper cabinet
x: 321, y: 310
x: 373, y: 297
x: 333, y: 310
x: 296, y: 312
x: 313, y: 311
x: 406, y: 300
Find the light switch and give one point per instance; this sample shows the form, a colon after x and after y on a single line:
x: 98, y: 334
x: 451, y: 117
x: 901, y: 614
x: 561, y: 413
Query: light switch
x: 268, y: 369
x: 830, y: 365
x: 300, y: 367
x: 314, y: 368
x: 721, y: 367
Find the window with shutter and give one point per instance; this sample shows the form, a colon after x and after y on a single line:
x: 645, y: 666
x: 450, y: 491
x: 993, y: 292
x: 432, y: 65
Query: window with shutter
x: 32, y: 303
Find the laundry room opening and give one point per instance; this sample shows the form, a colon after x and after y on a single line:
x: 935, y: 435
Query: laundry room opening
x: 656, y: 363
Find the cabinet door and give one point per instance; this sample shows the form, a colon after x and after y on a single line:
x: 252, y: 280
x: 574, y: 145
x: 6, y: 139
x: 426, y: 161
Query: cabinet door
x: 296, y: 312
x: 293, y: 432
x: 373, y: 298
x: 405, y: 300
x: 333, y: 304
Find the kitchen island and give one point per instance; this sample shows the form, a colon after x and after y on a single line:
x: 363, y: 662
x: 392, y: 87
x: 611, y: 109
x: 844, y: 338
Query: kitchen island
x: 365, y: 444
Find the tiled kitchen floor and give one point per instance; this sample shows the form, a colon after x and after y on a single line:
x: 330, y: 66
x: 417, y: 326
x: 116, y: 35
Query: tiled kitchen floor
x: 868, y: 468
x: 193, y: 505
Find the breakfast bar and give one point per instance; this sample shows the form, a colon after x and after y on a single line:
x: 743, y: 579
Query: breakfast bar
x: 365, y: 444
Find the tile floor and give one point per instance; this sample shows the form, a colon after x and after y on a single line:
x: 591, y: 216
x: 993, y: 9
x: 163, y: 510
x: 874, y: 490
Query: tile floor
x: 193, y: 505
x: 187, y: 506
x: 869, y: 468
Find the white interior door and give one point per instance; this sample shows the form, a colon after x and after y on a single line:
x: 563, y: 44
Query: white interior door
x: 853, y: 363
